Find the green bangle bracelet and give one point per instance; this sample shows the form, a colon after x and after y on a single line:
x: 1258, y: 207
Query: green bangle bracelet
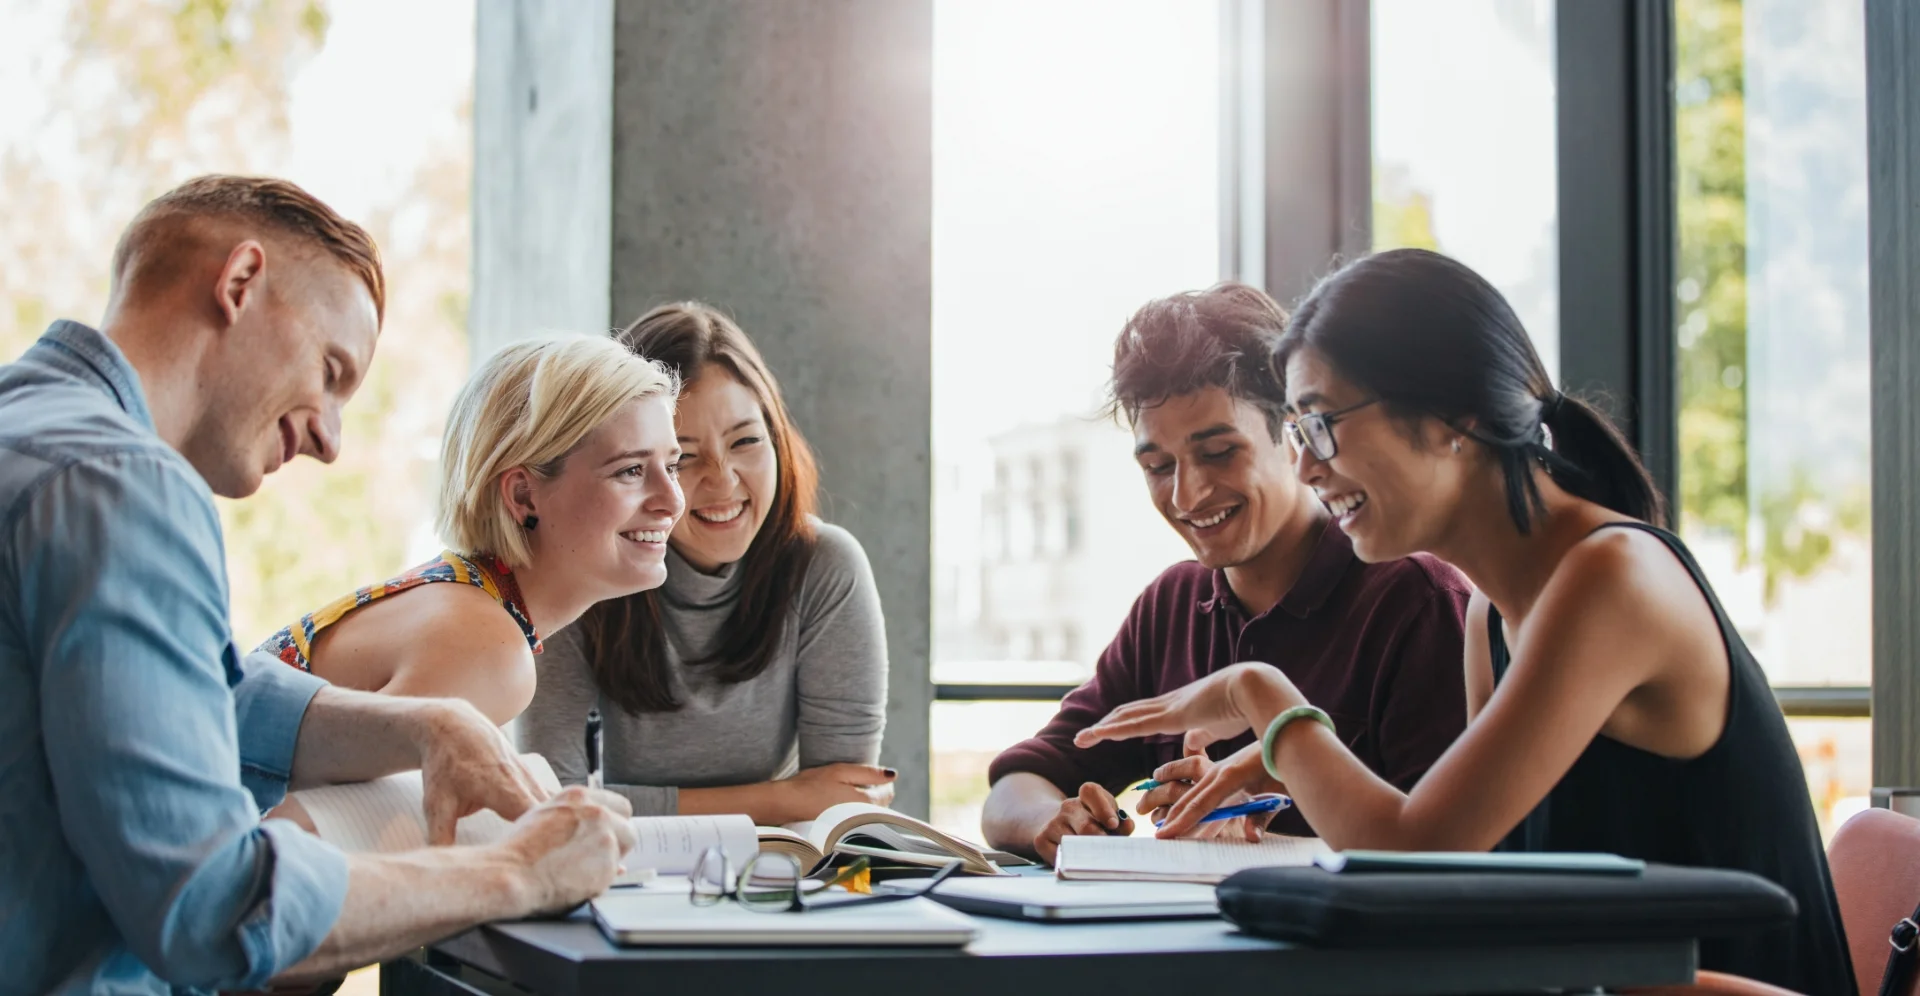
x: 1279, y: 723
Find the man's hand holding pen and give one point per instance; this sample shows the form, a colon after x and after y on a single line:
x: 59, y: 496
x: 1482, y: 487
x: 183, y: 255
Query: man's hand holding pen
x: 1091, y: 813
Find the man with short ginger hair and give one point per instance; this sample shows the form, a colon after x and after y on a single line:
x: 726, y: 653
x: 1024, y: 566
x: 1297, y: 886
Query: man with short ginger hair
x: 293, y: 328
x: 137, y: 748
x: 1273, y: 579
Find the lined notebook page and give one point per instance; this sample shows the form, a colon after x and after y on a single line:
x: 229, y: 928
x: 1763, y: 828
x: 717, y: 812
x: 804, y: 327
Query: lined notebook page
x: 1147, y: 859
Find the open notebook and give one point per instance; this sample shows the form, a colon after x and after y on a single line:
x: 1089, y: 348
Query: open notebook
x: 1147, y: 859
x: 385, y: 815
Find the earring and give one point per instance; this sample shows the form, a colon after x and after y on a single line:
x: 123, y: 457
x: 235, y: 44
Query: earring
x: 1456, y: 448
x: 534, y: 520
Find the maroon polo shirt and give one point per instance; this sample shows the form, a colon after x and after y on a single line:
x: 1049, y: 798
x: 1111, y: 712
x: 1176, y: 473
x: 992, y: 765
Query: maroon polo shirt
x: 1378, y: 646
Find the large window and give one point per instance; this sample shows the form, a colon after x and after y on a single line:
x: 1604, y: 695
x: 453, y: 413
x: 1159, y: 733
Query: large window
x: 109, y: 104
x: 112, y: 103
x: 1771, y: 327
x: 1770, y: 292
x: 1077, y: 156
x: 1076, y: 162
x: 1464, y: 145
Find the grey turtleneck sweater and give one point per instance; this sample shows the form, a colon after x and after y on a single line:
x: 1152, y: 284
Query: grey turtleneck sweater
x: 822, y: 700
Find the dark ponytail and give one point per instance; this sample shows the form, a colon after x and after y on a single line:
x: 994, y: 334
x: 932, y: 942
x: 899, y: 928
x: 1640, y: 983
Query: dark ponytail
x: 1592, y: 459
x: 1430, y: 337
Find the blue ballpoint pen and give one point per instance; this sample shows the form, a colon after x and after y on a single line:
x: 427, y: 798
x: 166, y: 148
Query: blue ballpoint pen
x: 1258, y: 804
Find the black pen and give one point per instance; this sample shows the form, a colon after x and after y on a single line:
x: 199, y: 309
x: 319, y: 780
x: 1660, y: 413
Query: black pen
x: 593, y: 748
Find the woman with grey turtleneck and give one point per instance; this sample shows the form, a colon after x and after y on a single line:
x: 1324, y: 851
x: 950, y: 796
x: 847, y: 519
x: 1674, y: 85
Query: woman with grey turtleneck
x: 755, y: 680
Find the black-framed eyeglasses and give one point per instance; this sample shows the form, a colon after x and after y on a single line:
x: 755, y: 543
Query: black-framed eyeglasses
x: 771, y: 882
x: 1314, y: 433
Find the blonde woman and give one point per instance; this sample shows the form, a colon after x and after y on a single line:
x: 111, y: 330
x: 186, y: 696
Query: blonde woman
x: 558, y: 490
x: 755, y: 680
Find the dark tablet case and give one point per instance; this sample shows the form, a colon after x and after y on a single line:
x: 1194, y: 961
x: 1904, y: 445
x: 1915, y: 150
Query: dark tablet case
x: 1401, y: 909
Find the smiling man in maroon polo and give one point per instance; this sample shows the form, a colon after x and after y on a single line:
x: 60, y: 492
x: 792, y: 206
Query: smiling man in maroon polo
x: 1376, y: 645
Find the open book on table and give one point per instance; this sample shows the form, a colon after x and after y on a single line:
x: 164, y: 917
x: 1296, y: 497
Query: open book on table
x: 386, y: 815
x: 857, y: 828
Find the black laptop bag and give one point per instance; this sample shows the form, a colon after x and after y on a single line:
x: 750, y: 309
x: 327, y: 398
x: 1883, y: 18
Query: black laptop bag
x: 1430, y: 908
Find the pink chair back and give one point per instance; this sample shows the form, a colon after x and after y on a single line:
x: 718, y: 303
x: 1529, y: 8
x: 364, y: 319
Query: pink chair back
x: 1875, y: 858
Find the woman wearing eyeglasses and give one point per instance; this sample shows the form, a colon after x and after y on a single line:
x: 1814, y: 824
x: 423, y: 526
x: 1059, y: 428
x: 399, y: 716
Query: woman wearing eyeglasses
x: 1613, y: 707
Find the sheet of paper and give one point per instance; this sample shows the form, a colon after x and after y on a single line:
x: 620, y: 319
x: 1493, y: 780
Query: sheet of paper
x: 671, y: 845
x: 386, y: 815
x: 1152, y: 860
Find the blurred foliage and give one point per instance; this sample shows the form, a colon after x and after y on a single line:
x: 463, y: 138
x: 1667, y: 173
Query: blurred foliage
x: 1711, y: 305
x: 1800, y: 524
x: 1402, y: 213
x: 1790, y: 530
x: 147, y: 93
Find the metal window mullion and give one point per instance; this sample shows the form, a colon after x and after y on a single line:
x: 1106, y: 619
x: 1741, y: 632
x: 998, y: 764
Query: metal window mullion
x: 1317, y: 140
x: 1893, y: 193
x: 1656, y: 248
x: 1824, y: 701
x: 956, y: 692
x: 1242, y: 152
x: 1614, y: 79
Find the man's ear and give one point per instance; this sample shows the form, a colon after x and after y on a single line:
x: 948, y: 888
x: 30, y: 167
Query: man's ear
x: 241, y: 280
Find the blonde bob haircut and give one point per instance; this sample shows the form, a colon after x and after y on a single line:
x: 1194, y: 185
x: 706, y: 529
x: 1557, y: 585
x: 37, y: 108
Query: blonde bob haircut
x: 529, y: 405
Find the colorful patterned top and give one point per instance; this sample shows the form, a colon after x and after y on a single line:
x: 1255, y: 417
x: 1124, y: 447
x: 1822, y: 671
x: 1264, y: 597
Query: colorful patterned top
x: 490, y: 574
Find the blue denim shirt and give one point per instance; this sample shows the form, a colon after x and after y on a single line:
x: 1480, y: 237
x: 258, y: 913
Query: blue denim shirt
x: 137, y: 749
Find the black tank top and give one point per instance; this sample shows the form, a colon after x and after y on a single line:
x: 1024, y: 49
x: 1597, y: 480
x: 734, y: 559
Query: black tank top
x: 1742, y: 805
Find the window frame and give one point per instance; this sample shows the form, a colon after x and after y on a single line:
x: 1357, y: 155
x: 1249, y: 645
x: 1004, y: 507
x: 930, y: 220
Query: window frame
x: 1614, y: 66
x: 1893, y: 195
x: 1295, y: 81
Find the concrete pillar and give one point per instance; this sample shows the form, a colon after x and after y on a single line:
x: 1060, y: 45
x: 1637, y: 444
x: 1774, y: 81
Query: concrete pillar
x: 542, y: 170
x: 1317, y: 139
x: 770, y: 157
